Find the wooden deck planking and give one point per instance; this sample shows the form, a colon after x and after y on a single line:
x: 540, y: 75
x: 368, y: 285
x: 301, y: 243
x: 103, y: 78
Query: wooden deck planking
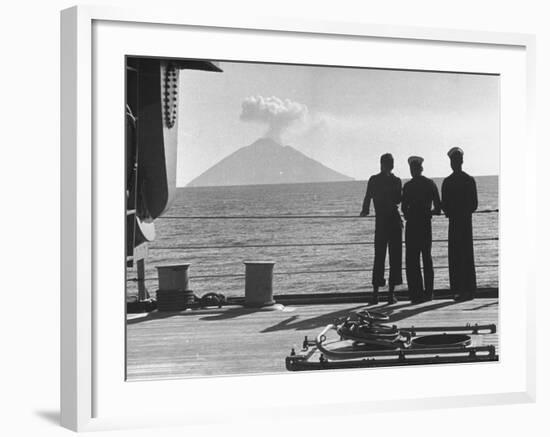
x: 235, y: 340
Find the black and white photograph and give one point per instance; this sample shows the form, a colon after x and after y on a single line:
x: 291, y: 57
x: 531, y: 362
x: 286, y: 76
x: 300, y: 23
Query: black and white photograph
x: 282, y: 218
x: 288, y: 217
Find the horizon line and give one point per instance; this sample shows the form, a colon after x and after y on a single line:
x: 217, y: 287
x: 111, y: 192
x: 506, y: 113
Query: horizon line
x: 317, y: 182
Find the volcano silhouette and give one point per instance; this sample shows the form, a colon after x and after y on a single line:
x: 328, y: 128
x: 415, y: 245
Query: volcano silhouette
x: 266, y: 162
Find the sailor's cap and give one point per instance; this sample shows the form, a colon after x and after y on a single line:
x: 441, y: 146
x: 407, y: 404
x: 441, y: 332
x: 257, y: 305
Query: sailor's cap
x: 415, y: 159
x: 454, y: 151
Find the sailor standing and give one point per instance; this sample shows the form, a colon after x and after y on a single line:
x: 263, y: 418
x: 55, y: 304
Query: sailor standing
x: 459, y: 201
x: 384, y: 189
x: 419, y: 194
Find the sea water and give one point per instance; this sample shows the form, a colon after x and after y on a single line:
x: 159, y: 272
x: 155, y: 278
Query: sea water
x: 331, y: 253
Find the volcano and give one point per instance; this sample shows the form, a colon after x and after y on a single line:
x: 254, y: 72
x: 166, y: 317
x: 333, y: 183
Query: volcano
x: 266, y: 162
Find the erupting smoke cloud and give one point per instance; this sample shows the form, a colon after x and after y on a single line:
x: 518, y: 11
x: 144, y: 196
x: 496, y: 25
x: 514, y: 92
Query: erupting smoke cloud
x: 278, y: 114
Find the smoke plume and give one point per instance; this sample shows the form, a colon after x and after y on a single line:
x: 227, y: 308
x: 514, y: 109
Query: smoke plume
x: 276, y: 113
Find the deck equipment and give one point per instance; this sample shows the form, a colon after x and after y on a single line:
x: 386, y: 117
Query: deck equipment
x: 152, y: 86
x: 363, y: 341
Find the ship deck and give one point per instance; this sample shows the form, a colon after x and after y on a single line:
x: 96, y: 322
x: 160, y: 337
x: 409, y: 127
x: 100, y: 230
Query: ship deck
x: 236, y: 340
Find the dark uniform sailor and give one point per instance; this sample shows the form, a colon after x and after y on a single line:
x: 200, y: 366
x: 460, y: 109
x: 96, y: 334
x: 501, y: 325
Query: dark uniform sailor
x: 459, y: 201
x: 385, y: 190
x: 419, y: 194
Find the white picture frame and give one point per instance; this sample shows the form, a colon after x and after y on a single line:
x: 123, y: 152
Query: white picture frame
x: 91, y: 387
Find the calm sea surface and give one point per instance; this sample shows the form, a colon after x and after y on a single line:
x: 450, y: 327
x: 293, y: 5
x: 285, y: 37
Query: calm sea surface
x: 303, y: 268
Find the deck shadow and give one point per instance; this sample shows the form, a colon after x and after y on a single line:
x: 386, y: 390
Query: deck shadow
x: 413, y: 311
x: 396, y: 312
x: 293, y: 322
x: 311, y: 323
x: 487, y: 305
x: 156, y: 315
x: 233, y: 313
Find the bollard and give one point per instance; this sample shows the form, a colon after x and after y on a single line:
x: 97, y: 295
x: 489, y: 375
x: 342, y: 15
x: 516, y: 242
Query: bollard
x: 174, y: 277
x: 173, y: 293
x: 258, y: 288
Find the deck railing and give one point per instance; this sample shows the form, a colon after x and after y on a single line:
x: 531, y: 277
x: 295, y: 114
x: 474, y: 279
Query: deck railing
x: 198, y: 247
x: 287, y: 216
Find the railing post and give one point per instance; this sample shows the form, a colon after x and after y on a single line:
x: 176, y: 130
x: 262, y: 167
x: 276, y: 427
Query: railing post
x: 258, y: 284
x: 140, y: 255
x: 143, y: 294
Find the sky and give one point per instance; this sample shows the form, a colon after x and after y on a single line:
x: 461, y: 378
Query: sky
x: 344, y: 118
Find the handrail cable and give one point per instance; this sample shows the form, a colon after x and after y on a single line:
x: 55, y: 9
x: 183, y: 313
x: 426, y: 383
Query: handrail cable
x: 302, y: 272
x: 299, y: 272
x: 273, y: 217
x: 245, y: 246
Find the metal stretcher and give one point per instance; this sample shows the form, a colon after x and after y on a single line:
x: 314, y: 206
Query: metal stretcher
x: 362, y: 341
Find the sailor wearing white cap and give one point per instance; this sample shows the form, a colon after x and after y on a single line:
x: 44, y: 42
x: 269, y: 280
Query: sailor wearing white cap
x: 459, y: 201
x: 419, y: 195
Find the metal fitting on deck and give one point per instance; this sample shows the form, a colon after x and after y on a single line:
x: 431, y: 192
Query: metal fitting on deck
x: 173, y: 277
x: 258, y: 288
x: 173, y: 293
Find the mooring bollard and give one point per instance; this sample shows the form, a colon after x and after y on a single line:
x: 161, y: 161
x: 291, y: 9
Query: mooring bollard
x: 258, y: 288
x: 173, y: 293
x: 173, y: 277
